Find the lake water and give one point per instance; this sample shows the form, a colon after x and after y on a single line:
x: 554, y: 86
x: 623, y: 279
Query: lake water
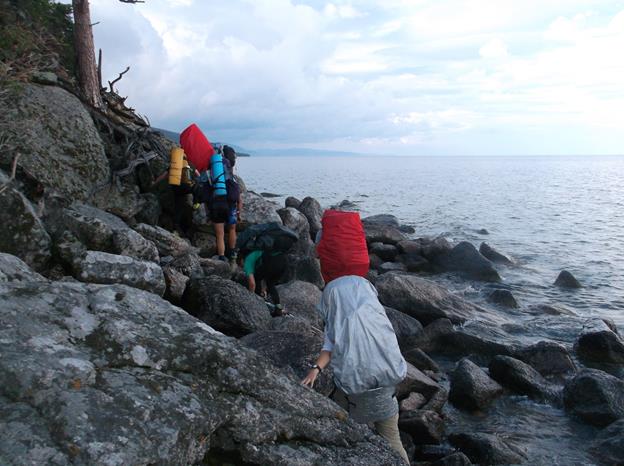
x: 548, y: 213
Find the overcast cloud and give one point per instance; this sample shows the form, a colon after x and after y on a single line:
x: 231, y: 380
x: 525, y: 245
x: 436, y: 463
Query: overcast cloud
x: 392, y: 76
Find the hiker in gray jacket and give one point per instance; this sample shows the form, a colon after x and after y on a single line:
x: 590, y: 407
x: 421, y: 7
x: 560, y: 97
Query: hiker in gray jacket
x: 364, y: 353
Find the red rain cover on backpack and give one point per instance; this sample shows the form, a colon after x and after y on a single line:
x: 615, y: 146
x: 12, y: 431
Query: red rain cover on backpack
x: 196, y: 146
x: 342, y: 249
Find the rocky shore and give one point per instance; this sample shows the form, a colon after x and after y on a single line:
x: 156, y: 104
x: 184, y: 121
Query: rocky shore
x: 123, y: 343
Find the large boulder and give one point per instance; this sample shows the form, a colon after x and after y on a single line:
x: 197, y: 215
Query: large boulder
x: 471, y: 387
x: 483, y: 339
x: 484, y: 448
x: 313, y: 211
x: 382, y: 219
x: 521, y: 378
x: 416, y: 381
x: 602, y: 346
x: 493, y: 255
x: 465, y: 258
x: 432, y: 249
x: 102, y: 267
x: 176, y: 284
x: 386, y: 252
x: 104, y: 375
x: 305, y: 269
x: 608, y: 446
x: 301, y: 299
x: 22, y: 234
x: 407, y: 329
x: 167, y: 243
x: 419, y: 359
x: 13, y: 269
x: 257, y: 209
x: 547, y: 357
x: 425, y: 427
x: 423, y: 299
x: 298, y: 222
x: 294, y: 351
x: 127, y: 242
x: 226, y: 306
x: 379, y: 233
x: 57, y: 139
x: 595, y: 396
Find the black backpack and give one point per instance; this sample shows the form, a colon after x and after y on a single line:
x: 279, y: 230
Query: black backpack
x: 267, y: 237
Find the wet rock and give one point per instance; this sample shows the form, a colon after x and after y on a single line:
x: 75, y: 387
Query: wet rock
x: 167, y: 243
x: 104, y: 268
x: 567, y: 280
x: 346, y: 205
x: 423, y: 299
x: 416, y: 381
x: 407, y: 229
x: 477, y: 338
x: 415, y: 263
x: 257, y: 209
x: 493, y: 255
x: 434, y: 333
x: 611, y: 324
x: 413, y: 402
x: 465, y: 258
x: 425, y: 427
x: 206, y: 242
x: 504, y: 298
x: 419, y: 359
x: 381, y: 219
x: 391, y: 267
x: 294, y: 351
x: 547, y: 357
x: 176, y: 284
x: 292, y: 202
x: 60, y: 146
x: 301, y: 299
x: 123, y: 377
x: 216, y: 267
x: 270, y: 195
x: 603, y: 346
x: 225, y: 306
x: 471, y: 387
x: 456, y: 459
x: 483, y: 448
x: 411, y: 247
x: 483, y: 231
x: 13, y: 269
x: 608, y: 446
x: 313, y: 211
x: 595, y: 396
x: 128, y: 242
x: 23, y: 233
x: 379, y: 233
x: 386, y: 252
x: 437, y: 401
x: 521, y: 378
x: 432, y: 452
x: 435, y: 248
x: 550, y: 309
x: 150, y: 213
x: 407, y: 329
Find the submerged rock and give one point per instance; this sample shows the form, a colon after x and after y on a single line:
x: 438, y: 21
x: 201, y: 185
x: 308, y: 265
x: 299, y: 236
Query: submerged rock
x: 608, y: 446
x: 471, y: 387
x: 504, y: 298
x: 567, y: 280
x: 595, y: 396
x: 484, y: 448
x: 465, y: 258
x: 493, y: 255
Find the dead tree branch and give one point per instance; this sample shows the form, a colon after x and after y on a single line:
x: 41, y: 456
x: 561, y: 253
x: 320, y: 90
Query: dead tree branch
x: 111, y: 83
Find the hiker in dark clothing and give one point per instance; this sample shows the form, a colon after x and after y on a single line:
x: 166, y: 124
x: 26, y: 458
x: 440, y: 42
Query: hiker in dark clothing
x: 265, y: 267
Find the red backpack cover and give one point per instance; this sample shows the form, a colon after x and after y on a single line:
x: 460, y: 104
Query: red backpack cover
x: 196, y: 146
x: 342, y: 248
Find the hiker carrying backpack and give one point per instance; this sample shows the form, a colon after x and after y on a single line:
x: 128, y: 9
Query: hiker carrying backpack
x: 263, y: 249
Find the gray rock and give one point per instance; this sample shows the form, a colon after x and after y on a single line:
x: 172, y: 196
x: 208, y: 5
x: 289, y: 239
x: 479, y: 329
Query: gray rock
x: 407, y: 329
x: 22, y: 234
x: 550, y: 309
x: 386, y: 252
x: 415, y: 263
x: 603, y: 346
x: 504, y: 298
x: 471, y: 387
x: 419, y: 359
x: 188, y: 264
x: 122, y: 199
x: 293, y: 324
x: 483, y: 448
x: 423, y: 299
x: 216, y: 267
x: 104, y: 375
x: 301, y: 299
x: 257, y: 209
x: 292, y: 202
x: 104, y: 268
x: 225, y: 306
x: 44, y: 77
x: 379, y: 233
x: 13, y: 269
x: 465, y: 258
x: 391, y: 267
x: 304, y: 268
x: 595, y: 396
x: 167, y: 243
x: 381, y: 219
x: 493, y: 255
x: 412, y: 247
x: 521, y: 378
x: 206, y: 242
x: 435, y: 332
x: 346, y: 206
x: 432, y: 249
x: 298, y: 222
x: 60, y: 146
x: 437, y: 401
x: 567, y: 280
x: 416, y: 381
x: 547, y: 357
x: 313, y: 211
x: 375, y: 261
x: 128, y: 242
x: 150, y: 213
x: 425, y: 427
x: 608, y: 446
x: 477, y: 338
x: 456, y: 459
x: 295, y: 351
x: 413, y: 402
x: 175, y: 282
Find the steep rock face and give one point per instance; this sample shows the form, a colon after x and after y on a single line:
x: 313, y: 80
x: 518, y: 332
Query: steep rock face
x: 22, y: 233
x: 59, y: 143
x: 106, y: 375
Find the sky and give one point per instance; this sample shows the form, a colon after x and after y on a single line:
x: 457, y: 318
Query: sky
x: 404, y: 77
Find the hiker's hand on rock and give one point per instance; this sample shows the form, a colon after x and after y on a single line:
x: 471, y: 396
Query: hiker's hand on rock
x: 310, y: 378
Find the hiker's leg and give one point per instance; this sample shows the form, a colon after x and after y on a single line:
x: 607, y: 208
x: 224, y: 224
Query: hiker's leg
x: 389, y: 429
x: 231, y: 236
x: 219, y: 233
x: 275, y: 267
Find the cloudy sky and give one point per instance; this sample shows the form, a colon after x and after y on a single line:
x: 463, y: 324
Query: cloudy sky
x: 412, y: 77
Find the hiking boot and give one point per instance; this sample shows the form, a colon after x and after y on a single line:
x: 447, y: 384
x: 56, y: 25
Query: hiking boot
x: 222, y: 258
x: 278, y: 311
